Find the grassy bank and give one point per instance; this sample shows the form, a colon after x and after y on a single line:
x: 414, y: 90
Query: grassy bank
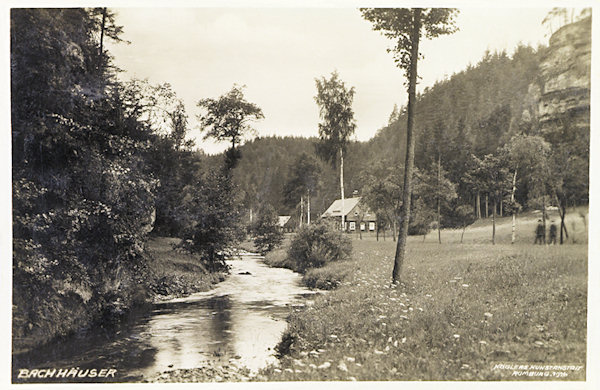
x: 174, y: 273
x: 168, y: 273
x: 461, y: 309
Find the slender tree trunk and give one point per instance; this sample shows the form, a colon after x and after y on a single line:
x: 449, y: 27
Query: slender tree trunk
x: 562, y: 211
x: 301, y: 209
x: 494, y: 222
x: 478, y: 205
x: 463, y: 233
x: 501, y: 207
x: 394, y: 229
x: 102, y: 27
x: 439, y: 219
x: 376, y: 233
x: 563, y: 208
x: 308, y: 208
x: 342, y: 187
x: 359, y: 229
x: 512, y: 199
x: 544, y: 217
x: 410, y: 148
x: 486, y: 206
x: 250, y: 215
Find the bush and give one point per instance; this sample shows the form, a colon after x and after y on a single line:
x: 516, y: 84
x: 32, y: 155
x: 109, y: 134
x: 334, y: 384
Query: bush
x: 327, y: 278
x: 318, y: 244
x: 266, y: 231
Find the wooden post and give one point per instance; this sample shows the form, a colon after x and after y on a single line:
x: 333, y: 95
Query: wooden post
x: 486, y: 206
x: 494, y: 222
x: 512, y: 199
x: 439, y: 173
x: 342, y: 186
x: 308, y: 208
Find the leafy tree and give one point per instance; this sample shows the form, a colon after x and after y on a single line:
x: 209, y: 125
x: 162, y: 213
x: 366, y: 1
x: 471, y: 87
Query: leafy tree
x: 228, y: 118
x: 528, y: 156
x: 266, y: 231
x: 464, y: 216
x: 338, y: 124
x: 170, y: 156
x: 568, y: 180
x: 303, y: 181
x: 405, y: 25
x: 382, y: 191
x: 492, y: 174
x: 214, y: 218
x: 435, y: 190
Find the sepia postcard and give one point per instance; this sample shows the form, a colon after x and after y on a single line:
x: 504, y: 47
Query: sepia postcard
x: 274, y: 194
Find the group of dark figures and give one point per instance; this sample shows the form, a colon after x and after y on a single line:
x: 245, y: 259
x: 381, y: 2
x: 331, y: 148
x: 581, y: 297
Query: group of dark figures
x: 540, y: 233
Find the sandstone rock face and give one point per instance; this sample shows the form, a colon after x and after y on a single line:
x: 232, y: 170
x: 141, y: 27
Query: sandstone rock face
x: 564, y: 84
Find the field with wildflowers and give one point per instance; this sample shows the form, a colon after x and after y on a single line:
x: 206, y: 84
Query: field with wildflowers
x: 460, y: 310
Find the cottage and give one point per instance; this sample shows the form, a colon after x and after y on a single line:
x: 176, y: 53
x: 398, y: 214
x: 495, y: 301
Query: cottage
x: 285, y: 223
x: 357, y: 215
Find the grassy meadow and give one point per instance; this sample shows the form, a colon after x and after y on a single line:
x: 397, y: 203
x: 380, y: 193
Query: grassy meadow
x: 460, y: 309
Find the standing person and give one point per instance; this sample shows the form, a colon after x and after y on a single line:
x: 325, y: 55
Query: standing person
x: 540, y: 233
x: 552, y: 238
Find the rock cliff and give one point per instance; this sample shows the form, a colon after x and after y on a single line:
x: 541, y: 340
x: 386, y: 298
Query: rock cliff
x: 563, y: 88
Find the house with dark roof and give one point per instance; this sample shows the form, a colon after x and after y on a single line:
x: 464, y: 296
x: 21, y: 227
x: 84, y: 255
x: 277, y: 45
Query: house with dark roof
x: 358, y: 217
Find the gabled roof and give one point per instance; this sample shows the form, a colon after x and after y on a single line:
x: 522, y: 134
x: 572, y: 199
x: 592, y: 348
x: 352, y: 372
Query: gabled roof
x: 283, y: 219
x: 335, y: 210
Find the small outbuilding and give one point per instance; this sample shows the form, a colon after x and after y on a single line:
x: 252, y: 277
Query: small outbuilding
x: 358, y: 217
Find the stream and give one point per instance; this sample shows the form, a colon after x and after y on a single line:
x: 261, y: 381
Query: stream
x: 241, y: 320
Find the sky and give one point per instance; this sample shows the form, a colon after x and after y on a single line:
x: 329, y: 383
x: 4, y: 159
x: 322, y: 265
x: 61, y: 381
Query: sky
x: 278, y: 53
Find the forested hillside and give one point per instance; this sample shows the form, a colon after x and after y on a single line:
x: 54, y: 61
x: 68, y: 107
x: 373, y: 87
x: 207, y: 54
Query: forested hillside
x: 265, y: 168
x: 473, y: 111
x: 459, y: 121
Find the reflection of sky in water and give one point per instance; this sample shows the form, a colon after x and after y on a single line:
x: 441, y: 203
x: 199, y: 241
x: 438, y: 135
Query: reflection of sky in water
x: 241, y: 319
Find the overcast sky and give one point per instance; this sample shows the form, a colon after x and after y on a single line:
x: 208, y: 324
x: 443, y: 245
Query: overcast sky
x: 278, y: 53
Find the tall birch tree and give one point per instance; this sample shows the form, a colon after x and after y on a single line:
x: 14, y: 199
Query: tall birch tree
x: 337, y: 122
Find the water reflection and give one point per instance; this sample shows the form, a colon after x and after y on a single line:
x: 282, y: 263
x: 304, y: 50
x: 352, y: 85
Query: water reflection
x: 242, y: 319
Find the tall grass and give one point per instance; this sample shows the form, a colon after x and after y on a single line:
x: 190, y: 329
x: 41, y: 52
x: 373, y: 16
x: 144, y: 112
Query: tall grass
x: 460, y: 309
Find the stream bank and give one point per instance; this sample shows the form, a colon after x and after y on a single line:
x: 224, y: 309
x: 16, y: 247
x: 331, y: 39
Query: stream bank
x: 225, y: 333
